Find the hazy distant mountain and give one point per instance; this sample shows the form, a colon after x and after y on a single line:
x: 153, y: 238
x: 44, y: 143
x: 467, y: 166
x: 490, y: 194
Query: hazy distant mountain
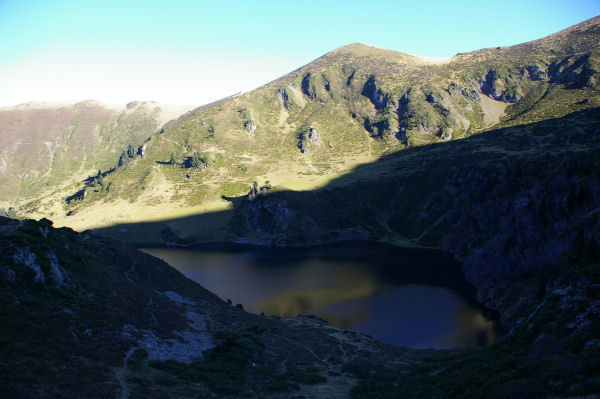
x: 47, y: 147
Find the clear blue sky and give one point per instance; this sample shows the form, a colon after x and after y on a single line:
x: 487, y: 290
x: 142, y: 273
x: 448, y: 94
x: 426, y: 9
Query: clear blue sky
x: 196, y: 51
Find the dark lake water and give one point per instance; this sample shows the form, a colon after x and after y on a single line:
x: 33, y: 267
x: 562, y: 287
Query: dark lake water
x: 407, y: 297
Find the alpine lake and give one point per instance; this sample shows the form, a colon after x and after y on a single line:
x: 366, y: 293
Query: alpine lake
x: 407, y: 297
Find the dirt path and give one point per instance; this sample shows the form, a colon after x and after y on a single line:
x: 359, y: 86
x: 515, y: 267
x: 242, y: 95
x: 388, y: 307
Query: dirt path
x: 121, y: 374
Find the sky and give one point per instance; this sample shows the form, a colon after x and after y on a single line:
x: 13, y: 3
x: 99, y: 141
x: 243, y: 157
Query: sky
x: 195, y: 52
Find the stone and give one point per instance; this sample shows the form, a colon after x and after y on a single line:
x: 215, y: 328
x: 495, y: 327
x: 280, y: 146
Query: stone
x: 536, y: 72
x: 23, y: 256
x: 305, y: 138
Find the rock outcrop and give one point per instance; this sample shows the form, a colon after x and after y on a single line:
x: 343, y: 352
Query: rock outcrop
x: 499, y: 88
x: 306, y: 138
x: 249, y: 122
x: 370, y: 90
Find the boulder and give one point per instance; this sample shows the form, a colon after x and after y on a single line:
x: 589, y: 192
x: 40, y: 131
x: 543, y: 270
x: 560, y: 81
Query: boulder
x: 249, y: 126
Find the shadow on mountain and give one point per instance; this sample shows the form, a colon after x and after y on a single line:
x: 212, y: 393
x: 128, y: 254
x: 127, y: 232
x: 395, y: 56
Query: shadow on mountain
x: 401, y: 195
x: 506, y: 202
x: 507, y: 183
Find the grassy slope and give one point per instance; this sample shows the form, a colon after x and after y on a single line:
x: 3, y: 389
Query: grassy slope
x: 48, y: 149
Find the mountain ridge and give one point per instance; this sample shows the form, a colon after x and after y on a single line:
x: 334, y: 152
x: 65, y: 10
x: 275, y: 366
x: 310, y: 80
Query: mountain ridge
x: 63, y: 137
x: 360, y: 109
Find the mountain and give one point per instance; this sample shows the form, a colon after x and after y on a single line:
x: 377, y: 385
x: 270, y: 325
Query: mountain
x: 489, y: 155
x: 48, y: 149
x: 492, y: 156
x: 506, y: 202
x: 348, y: 108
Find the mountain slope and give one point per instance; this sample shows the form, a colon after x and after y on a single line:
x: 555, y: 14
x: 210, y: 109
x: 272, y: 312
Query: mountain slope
x: 507, y: 202
x: 86, y: 316
x: 349, y: 107
x: 46, y: 148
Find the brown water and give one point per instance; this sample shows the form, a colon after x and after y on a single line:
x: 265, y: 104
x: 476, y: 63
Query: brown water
x: 406, y: 297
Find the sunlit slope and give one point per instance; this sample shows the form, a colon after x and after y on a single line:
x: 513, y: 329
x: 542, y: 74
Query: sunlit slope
x: 349, y: 107
x: 47, y: 149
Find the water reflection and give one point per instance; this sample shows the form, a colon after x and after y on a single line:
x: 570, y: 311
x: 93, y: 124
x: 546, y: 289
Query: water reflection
x: 393, y: 294
x: 419, y: 316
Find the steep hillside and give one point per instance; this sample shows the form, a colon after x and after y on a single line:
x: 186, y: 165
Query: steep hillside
x: 87, y: 317
x: 349, y: 107
x: 48, y: 149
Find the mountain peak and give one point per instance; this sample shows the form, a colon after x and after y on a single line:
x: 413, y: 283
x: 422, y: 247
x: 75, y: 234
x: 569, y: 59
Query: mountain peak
x: 363, y: 47
x: 367, y: 50
x: 589, y: 27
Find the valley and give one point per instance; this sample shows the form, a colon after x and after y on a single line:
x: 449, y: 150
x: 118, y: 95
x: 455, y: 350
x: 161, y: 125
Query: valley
x: 486, y: 163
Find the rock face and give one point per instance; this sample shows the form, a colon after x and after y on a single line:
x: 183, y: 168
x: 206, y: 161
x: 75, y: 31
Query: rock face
x: 536, y: 72
x: 317, y: 87
x: 577, y: 70
x: 370, y: 91
x: 141, y: 151
x: 285, y: 99
x: 305, y: 138
x: 470, y: 94
x: 256, y: 192
x: 249, y: 126
x: 24, y: 257
x: 498, y: 88
x: 248, y: 120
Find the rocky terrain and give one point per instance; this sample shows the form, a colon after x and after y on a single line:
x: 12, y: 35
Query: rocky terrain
x: 87, y: 316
